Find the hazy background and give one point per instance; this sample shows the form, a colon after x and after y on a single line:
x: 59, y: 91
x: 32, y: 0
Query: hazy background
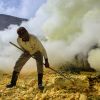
x: 70, y: 26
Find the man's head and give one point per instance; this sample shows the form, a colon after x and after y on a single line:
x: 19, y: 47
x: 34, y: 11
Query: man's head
x: 23, y: 33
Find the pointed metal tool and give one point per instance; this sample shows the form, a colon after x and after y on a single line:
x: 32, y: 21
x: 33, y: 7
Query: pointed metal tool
x: 44, y: 64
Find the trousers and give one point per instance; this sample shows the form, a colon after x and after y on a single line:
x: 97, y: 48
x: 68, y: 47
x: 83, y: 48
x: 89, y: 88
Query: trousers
x: 25, y: 57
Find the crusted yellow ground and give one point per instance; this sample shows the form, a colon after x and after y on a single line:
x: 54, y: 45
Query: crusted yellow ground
x: 55, y: 88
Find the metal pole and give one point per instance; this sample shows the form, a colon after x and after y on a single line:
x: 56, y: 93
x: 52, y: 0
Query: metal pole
x: 43, y: 63
x: 59, y: 73
x: 15, y: 45
x: 18, y: 47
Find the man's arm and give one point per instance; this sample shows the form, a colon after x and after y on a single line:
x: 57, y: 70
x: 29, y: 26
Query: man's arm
x: 26, y: 52
x: 41, y: 48
x: 45, y: 56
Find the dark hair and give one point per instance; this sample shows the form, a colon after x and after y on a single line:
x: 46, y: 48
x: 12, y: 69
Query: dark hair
x: 22, y: 30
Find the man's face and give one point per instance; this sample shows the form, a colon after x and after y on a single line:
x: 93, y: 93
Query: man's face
x: 24, y: 36
x: 21, y: 35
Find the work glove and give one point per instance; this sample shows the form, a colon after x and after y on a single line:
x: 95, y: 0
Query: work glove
x: 46, y: 63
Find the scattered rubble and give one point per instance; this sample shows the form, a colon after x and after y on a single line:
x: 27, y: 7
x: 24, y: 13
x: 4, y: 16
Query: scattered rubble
x: 56, y: 87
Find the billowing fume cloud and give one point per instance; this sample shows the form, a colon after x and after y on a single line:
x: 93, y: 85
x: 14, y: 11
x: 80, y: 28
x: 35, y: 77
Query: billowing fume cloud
x: 71, y: 27
x: 94, y: 59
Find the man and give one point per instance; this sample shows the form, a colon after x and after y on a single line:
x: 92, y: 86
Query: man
x: 31, y: 47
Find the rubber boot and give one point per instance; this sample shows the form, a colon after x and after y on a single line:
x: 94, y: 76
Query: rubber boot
x: 40, y: 76
x: 13, y: 80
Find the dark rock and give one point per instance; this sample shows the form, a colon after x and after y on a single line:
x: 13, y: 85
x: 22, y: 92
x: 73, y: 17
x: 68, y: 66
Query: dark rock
x: 6, y: 20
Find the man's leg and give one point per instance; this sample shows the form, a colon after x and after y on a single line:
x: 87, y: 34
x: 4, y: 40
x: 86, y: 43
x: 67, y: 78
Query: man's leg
x: 18, y: 66
x: 39, y: 60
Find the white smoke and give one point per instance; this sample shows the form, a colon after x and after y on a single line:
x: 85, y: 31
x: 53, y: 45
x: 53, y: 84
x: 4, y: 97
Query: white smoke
x: 94, y: 59
x: 71, y: 27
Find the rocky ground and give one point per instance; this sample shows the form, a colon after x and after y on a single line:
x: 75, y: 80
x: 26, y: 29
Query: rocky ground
x: 83, y: 86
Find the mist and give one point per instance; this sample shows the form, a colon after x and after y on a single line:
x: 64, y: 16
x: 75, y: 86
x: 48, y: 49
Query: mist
x: 70, y: 27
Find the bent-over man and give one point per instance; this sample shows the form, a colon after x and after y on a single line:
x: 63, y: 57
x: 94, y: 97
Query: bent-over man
x: 31, y: 46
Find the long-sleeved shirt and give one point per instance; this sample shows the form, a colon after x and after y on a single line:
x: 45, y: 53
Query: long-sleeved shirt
x: 32, y: 46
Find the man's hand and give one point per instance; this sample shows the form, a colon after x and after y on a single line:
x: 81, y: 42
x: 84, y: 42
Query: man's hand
x: 46, y: 63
